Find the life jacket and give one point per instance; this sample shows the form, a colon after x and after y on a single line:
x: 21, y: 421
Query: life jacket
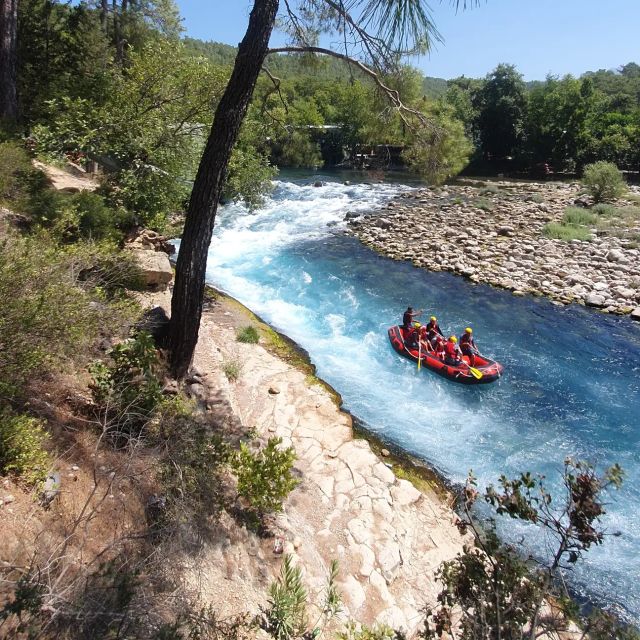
x: 433, y: 326
x: 466, y: 340
x: 452, y: 351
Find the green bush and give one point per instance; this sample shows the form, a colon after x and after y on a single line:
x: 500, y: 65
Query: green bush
x: 490, y: 190
x: 128, y: 389
x: 560, y: 231
x: 45, y: 317
x: 604, y: 181
x: 248, y: 334
x: 191, y: 472
x: 603, y: 209
x: 265, y: 478
x: 578, y: 216
x: 286, y: 616
x: 14, y: 166
x: 95, y: 219
x: 377, y: 632
x: 22, y: 451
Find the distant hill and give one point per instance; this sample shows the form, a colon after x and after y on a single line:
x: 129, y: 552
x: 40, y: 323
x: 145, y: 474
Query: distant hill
x: 434, y: 87
x: 625, y: 80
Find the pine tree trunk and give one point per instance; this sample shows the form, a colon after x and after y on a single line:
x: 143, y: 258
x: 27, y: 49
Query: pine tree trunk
x: 8, y: 60
x: 104, y: 14
x: 186, y: 303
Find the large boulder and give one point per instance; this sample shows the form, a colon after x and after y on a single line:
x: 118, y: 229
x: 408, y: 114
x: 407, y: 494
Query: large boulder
x: 155, y: 268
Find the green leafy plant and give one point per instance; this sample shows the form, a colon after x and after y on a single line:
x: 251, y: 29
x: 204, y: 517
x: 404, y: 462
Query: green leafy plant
x: 264, y: 477
x: 232, y: 369
x: 578, y: 216
x: 191, y: 472
x: 128, y: 389
x: 566, y: 232
x: 603, y: 209
x: 489, y: 591
x: 45, y: 315
x: 286, y: 615
x: 361, y: 632
x: 484, y: 204
x: 248, y: 334
x: 604, y: 181
x: 22, y: 447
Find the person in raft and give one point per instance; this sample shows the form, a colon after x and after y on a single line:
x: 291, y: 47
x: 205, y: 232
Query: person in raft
x: 452, y: 353
x: 433, y: 330
x: 407, y: 318
x: 468, y: 346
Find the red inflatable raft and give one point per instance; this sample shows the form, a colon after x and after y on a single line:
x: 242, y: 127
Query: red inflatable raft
x: 490, y: 369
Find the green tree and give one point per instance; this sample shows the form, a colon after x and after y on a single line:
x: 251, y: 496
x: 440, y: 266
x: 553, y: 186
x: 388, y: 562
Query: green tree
x: 557, y: 116
x: 442, y: 152
x: 489, y: 591
x: 502, y: 107
x: 148, y: 131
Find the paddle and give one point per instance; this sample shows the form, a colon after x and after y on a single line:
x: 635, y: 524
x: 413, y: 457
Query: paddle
x: 419, y: 352
x: 476, y: 373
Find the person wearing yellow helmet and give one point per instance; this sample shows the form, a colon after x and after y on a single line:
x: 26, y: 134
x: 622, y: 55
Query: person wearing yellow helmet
x: 452, y: 353
x: 468, y: 346
x: 433, y: 330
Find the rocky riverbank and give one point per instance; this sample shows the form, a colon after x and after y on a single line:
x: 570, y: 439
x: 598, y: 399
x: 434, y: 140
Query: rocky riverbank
x: 388, y: 536
x: 494, y: 234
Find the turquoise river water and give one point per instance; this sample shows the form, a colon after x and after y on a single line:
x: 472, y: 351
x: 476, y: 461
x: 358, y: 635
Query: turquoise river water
x: 572, y: 376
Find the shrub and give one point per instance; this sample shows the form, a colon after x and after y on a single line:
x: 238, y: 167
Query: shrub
x: 232, y: 369
x: 45, y: 316
x: 286, y: 616
x: 603, y: 209
x: 603, y: 181
x: 14, y: 166
x: 377, y: 632
x: 248, y: 334
x: 490, y: 190
x: 128, y: 389
x: 265, y: 478
x: 95, y: 219
x: 22, y: 451
x: 191, y: 473
x: 484, y: 204
x: 559, y: 231
x: 535, y: 197
x: 578, y: 216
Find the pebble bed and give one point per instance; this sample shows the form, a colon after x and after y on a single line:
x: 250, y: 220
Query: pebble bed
x: 494, y: 235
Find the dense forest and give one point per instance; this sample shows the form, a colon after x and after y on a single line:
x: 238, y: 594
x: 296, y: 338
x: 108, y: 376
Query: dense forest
x: 123, y: 87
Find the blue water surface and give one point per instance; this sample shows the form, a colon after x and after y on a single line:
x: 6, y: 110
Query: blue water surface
x: 572, y: 376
